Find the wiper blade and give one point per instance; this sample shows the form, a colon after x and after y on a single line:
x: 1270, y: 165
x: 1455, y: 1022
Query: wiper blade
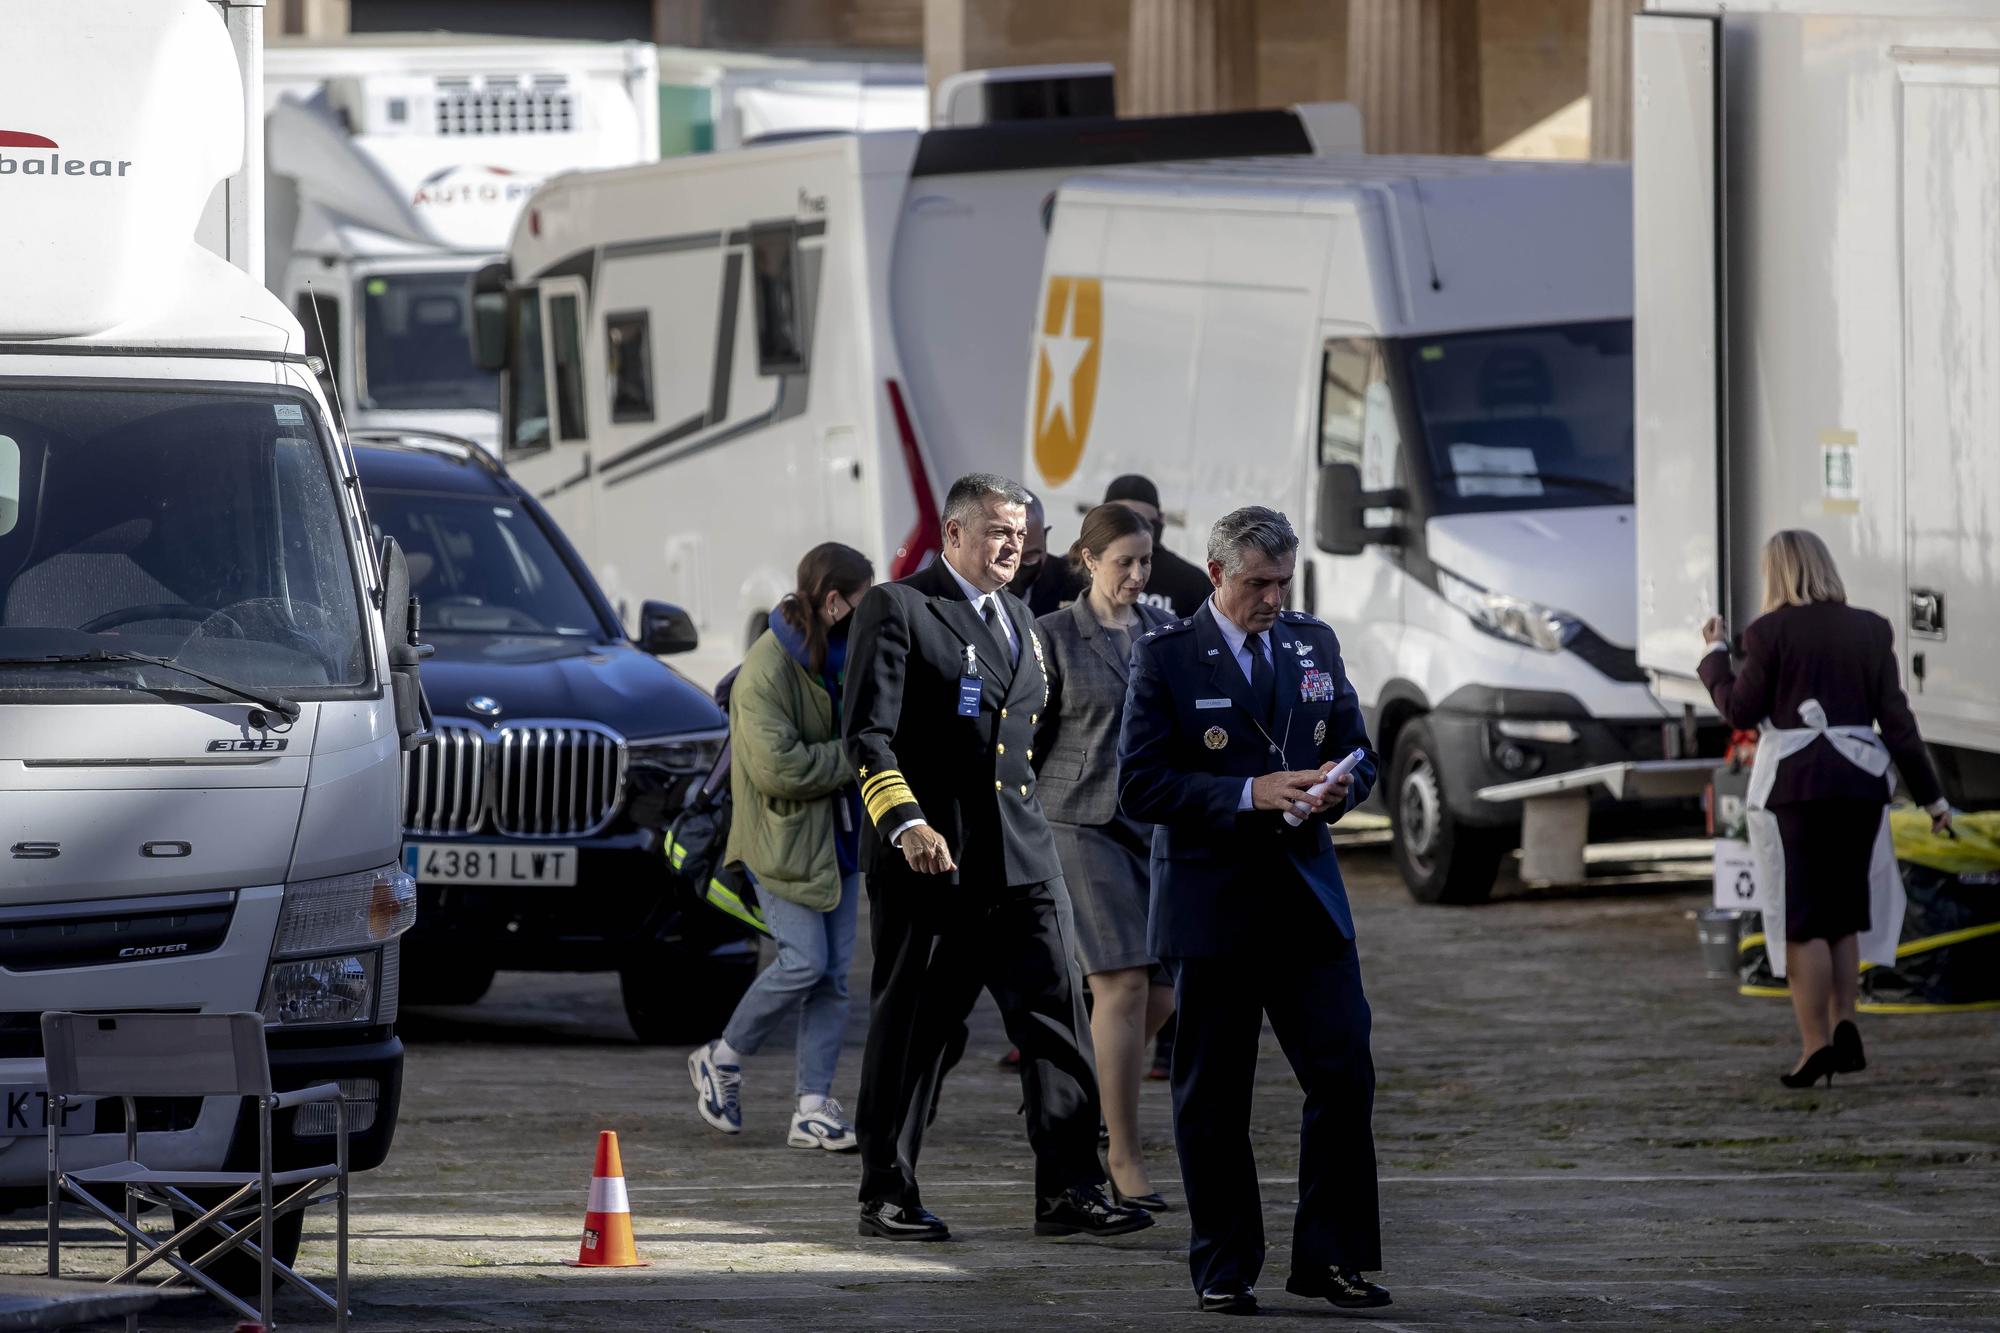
x: 278, y: 704
x: 1557, y: 478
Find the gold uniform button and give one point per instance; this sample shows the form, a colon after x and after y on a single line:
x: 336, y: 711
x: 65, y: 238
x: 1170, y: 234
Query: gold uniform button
x: 1024, y: 789
x: 997, y: 786
x: 1031, y: 754
x: 1003, y: 712
x: 1033, y: 718
x: 1000, y: 748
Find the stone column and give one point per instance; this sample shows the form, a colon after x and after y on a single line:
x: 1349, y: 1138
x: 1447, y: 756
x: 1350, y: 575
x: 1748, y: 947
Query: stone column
x: 1413, y: 69
x: 1611, y: 77
x: 1191, y: 55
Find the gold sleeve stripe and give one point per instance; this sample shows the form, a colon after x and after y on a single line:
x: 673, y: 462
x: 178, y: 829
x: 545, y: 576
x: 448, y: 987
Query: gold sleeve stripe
x: 887, y: 775
x: 886, y: 797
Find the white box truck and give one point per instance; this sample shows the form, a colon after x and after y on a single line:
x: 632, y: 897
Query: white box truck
x: 206, y: 667
x: 1427, y: 364
x: 396, y: 167
x: 715, y: 362
x: 1818, y: 313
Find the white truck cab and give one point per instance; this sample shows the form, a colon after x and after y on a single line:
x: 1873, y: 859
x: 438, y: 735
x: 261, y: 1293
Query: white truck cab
x: 202, y: 710
x: 397, y: 166
x: 1427, y: 364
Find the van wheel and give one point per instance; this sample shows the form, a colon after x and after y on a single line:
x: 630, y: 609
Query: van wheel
x: 1441, y: 859
x: 674, y: 998
x: 236, y: 1272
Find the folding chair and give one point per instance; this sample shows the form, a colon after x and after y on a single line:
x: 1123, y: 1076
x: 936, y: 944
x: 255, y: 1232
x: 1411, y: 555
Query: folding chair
x: 129, y: 1056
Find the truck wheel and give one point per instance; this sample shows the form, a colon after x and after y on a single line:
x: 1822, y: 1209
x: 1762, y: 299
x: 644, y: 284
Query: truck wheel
x: 429, y: 978
x: 236, y: 1271
x: 675, y: 999
x: 1441, y: 859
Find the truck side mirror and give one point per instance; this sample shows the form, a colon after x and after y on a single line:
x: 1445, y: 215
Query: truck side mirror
x: 490, y: 306
x: 1338, y: 526
x: 401, y: 623
x: 664, y: 628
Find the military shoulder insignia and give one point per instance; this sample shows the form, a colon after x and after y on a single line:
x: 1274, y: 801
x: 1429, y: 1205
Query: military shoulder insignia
x: 1215, y: 738
x: 1301, y: 618
x: 1319, y: 732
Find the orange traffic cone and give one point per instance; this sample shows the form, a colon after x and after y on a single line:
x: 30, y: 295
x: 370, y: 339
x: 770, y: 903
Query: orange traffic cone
x: 607, y: 1222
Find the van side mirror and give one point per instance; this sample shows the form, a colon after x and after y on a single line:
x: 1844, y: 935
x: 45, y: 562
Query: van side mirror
x: 490, y: 303
x: 1338, y: 527
x: 401, y: 622
x: 665, y: 629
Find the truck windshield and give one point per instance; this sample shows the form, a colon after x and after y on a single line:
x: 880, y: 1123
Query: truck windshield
x: 417, y: 345
x: 483, y: 566
x: 203, y: 528
x: 1530, y: 418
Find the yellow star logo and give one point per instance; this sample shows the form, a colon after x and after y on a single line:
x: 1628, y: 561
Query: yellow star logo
x: 1066, y: 357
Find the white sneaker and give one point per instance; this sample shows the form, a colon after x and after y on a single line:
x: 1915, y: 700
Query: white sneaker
x: 827, y: 1127
x: 716, y: 1088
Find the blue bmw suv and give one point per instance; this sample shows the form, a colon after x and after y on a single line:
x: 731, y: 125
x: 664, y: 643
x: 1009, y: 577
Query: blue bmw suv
x: 533, y: 815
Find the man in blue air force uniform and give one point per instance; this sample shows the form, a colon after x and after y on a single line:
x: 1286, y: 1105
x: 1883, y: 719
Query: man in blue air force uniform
x: 1231, y: 717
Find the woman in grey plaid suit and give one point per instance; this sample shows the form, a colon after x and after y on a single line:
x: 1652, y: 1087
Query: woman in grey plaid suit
x: 1105, y: 856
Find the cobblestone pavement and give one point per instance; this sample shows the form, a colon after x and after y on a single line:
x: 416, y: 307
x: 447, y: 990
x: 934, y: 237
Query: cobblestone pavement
x: 1574, y: 1127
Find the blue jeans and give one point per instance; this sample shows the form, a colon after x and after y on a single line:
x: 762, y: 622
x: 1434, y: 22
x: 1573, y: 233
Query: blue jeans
x: 814, y: 950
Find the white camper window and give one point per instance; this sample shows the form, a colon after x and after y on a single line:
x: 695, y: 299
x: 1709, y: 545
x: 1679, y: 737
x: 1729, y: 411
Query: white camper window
x: 10, y: 484
x: 774, y: 269
x: 1346, y: 368
x: 628, y: 360
x: 566, y: 342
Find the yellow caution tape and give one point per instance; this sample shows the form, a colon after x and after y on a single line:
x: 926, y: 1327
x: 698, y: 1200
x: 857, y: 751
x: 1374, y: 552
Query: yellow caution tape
x: 1975, y: 849
x: 1881, y: 1006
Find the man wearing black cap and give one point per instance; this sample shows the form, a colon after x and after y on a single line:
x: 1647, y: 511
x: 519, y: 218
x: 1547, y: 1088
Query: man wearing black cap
x: 1176, y: 585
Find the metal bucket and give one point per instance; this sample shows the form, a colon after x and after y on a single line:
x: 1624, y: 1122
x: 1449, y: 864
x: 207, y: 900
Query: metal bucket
x: 1719, y: 928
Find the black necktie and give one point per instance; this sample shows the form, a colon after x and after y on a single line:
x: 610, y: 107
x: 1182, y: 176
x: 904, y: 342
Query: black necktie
x: 989, y: 609
x: 1263, y: 683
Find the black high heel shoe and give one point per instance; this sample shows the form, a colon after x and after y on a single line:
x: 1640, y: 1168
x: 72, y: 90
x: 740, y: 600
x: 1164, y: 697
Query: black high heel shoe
x: 1151, y: 1203
x: 1847, y: 1048
x: 1821, y: 1063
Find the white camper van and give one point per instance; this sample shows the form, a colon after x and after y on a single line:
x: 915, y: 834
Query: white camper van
x: 714, y: 363
x: 200, y: 700
x: 397, y: 165
x: 1817, y: 342
x: 1439, y: 347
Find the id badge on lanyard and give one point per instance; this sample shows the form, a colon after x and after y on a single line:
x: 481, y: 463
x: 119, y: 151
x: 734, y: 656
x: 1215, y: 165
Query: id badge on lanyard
x: 969, y: 685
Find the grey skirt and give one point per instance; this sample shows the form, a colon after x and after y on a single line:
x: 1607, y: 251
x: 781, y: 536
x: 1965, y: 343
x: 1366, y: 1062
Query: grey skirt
x: 1108, y: 870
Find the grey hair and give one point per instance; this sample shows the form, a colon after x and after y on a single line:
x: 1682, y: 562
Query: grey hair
x: 968, y: 495
x: 1251, y: 527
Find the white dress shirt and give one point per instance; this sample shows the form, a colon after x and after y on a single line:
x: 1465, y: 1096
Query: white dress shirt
x: 1005, y: 625
x: 1238, y: 642
x: 980, y: 601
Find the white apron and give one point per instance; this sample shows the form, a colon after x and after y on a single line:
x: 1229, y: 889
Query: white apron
x: 1863, y: 748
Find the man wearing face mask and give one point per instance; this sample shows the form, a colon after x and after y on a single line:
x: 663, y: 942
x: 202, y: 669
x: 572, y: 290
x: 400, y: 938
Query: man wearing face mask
x: 1045, y: 585
x: 965, y: 889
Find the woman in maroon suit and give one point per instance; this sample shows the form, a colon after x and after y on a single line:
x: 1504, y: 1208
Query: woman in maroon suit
x: 1820, y: 676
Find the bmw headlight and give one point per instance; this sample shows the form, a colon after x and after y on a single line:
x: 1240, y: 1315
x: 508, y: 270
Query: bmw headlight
x: 329, y: 964
x: 1512, y: 618
x: 682, y: 755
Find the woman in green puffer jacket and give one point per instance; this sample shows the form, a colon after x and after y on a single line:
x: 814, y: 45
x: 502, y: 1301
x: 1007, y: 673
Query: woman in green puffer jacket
x: 796, y: 825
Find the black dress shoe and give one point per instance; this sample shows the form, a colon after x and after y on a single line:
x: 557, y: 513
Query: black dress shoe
x: 1152, y: 1203
x: 1086, y: 1210
x: 891, y: 1222
x: 1229, y: 1298
x: 1344, y: 1287
x: 1848, y: 1056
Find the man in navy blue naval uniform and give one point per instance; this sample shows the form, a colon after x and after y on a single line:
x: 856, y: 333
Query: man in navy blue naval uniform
x: 1231, y: 717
